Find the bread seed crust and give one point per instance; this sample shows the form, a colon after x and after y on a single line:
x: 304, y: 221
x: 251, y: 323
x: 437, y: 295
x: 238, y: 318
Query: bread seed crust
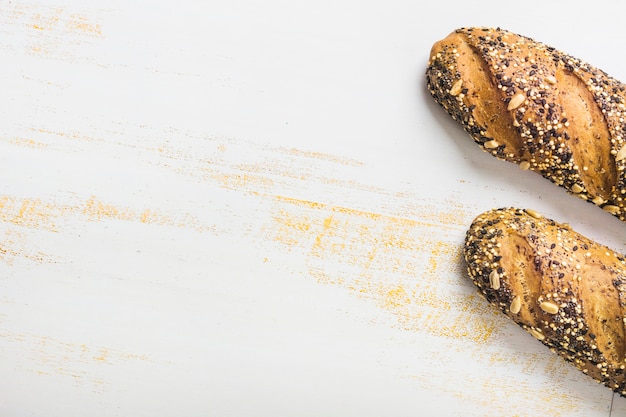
x: 528, y: 103
x: 566, y: 290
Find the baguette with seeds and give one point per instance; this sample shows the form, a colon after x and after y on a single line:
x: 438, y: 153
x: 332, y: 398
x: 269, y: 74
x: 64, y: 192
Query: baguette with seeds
x: 528, y: 103
x: 566, y: 290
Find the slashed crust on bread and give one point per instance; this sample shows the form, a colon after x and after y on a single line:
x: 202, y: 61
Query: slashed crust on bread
x: 528, y: 103
x: 566, y: 290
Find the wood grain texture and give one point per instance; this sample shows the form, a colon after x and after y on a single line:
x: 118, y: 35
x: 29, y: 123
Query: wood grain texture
x: 216, y: 210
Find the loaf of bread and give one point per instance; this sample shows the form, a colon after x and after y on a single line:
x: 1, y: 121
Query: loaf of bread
x: 527, y: 103
x: 566, y: 290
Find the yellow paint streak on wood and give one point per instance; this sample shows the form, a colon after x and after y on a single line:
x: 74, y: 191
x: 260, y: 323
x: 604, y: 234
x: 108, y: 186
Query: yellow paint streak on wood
x: 555, y: 399
x: 20, y: 214
x: 73, y: 135
x: 299, y: 202
x: 28, y: 143
x: 39, y: 214
x: 46, y: 21
x: 241, y: 181
x: 291, y: 229
x: 396, y: 297
x: 102, y: 355
x: 80, y: 362
x: 82, y: 24
x: 390, y: 260
x: 322, y: 156
x: 26, y: 212
x: 61, y: 19
x: 96, y: 209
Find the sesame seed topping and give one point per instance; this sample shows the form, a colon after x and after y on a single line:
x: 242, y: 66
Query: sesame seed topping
x: 611, y: 209
x: 516, y: 101
x: 526, y: 74
x: 533, y: 213
x: 621, y: 154
x: 492, y: 144
x: 576, y: 189
x: 537, y: 334
x: 494, y: 280
x: 560, y: 318
x: 457, y: 87
x: 549, y: 307
x: 516, y: 305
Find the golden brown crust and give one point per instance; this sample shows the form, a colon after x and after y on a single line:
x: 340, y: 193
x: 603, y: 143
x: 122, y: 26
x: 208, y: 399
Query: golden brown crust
x: 530, y: 104
x: 565, y: 289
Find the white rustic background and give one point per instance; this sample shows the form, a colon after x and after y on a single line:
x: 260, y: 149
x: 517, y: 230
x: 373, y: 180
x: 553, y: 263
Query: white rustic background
x: 242, y: 208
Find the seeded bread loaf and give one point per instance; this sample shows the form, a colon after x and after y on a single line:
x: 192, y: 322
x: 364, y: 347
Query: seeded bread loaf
x: 566, y: 290
x: 528, y: 103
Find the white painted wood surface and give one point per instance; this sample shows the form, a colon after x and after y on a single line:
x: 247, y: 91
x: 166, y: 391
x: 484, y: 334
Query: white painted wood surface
x: 255, y: 208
